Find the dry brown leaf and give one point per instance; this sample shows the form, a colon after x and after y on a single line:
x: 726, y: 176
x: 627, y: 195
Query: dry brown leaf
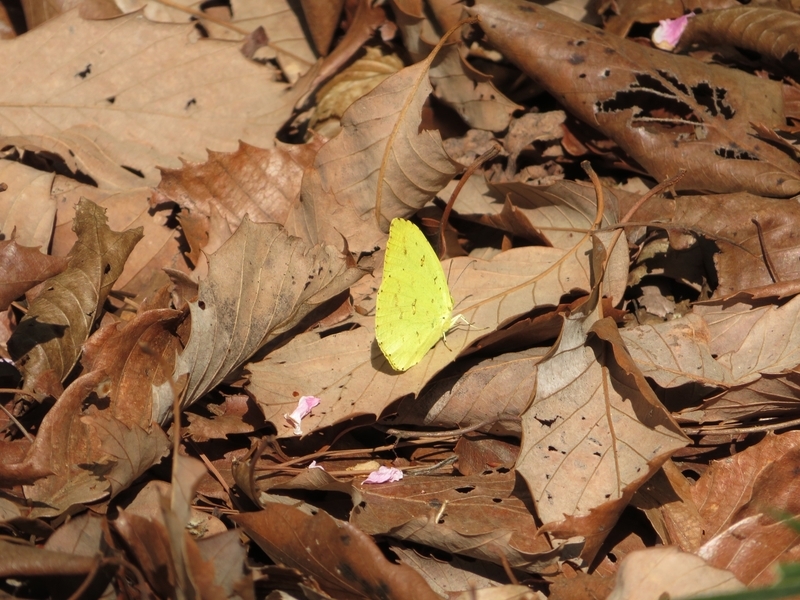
x: 344, y: 561
x: 564, y: 211
x: 498, y: 387
x: 728, y: 485
x: 677, y: 352
x: 657, y: 573
x: 730, y: 221
x: 455, y: 81
x: 59, y: 320
x: 752, y: 338
x: 771, y: 32
x: 594, y: 433
x: 380, y: 161
x: 748, y: 500
x: 27, y: 211
x: 21, y: 268
x: 482, y: 516
x: 323, y: 19
x: 145, y: 84
x: 128, y: 209
x: 768, y: 396
x: 23, y: 560
x: 335, y: 97
x: 666, y: 498
x: 87, y: 151
x: 135, y: 355
x: 665, y: 111
x: 446, y: 576
x: 469, y: 92
x: 481, y: 454
x: 263, y: 184
x: 261, y: 283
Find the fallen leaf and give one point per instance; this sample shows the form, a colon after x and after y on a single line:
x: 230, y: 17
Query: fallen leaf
x: 261, y: 283
x: 21, y: 268
x: 106, y: 73
x: 665, y: 111
x: 652, y: 573
x: 50, y: 335
x: 594, y: 421
x: 344, y: 561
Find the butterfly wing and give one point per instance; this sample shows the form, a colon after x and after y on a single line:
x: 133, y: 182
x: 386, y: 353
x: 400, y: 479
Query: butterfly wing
x: 414, y: 304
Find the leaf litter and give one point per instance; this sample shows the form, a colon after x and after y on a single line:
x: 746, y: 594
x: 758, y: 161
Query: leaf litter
x: 192, y: 228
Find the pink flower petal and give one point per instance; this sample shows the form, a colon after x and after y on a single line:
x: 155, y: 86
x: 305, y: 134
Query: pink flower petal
x: 314, y: 465
x: 304, y: 406
x: 384, y: 475
x: 669, y: 31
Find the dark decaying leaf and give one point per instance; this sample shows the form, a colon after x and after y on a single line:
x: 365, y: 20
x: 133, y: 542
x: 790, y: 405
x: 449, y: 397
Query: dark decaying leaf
x: 483, y: 516
x: 773, y: 33
x: 667, y: 112
x: 343, y: 560
x: 59, y: 320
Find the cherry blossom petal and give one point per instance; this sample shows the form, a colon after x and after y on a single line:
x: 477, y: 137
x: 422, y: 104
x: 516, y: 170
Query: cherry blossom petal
x: 669, y: 31
x: 384, y: 475
x: 304, y: 406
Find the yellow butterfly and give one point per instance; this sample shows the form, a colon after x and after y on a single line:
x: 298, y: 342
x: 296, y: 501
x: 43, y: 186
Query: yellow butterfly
x: 414, y: 306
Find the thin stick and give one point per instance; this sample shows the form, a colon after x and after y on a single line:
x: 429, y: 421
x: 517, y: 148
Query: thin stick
x: 656, y: 190
x: 488, y: 155
x: 27, y: 435
x: 403, y: 434
x: 718, y: 429
x: 767, y: 260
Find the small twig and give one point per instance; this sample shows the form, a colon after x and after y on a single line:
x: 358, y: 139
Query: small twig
x: 721, y: 429
x: 210, y: 466
x: 488, y: 155
x: 656, y: 190
x: 27, y: 435
x: 403, y: 434
x: 415, y: 472
x: 507, y: 568
x: 598, y: 192
x: 767, y: 260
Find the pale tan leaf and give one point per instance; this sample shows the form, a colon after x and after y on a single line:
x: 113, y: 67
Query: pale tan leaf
x: 676, y: 353
x: 448, y: 577
x: 380, y: 159
x: 751, y: 338
x: 469, y: 92
x: 89, y: 150
x: 138, y: 81
x: 565, y: 210
x: 594, y: 433
x: 667, y: 572
x: 261, y: 283
x: 126, y: 451
x: 26, y: 209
